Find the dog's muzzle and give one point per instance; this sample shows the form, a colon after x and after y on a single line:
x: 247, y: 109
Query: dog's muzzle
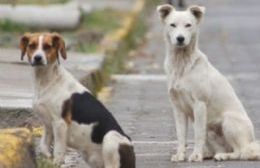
x: 180, y: 40
x: 37, y: 60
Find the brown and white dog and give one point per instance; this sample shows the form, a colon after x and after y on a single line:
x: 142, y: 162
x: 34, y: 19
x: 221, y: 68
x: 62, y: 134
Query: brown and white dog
x: 71, y: 115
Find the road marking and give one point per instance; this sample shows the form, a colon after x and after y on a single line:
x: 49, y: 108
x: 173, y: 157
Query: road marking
x: 244, y: 76
x: 162, y: 77
x: 139, y: 77
x: 151, y: 154
x: 15, y: 103
x: 159, y: 142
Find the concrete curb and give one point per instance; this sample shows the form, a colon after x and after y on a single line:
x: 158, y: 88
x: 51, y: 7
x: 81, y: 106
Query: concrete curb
x: 16, y: 144
x: 67, y: 16
x: 112, y: 41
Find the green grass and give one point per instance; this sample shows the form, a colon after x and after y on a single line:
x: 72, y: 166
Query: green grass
x: 39, y: 2
x: 8, y: 26
x: 44, y: 163
x: 94, y: 27
x: 116, y: 61
x: 103, y: 20
x: 87, y: 47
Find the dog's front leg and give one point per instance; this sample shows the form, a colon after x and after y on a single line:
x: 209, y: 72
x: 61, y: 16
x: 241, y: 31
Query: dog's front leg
x: 46, y: 141
x: 200, y: 126
x: 181, y: 121
x: 60, y: 141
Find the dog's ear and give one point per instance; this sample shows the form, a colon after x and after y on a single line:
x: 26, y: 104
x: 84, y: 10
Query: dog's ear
x: 59, y: 44
x: 197, y: 11
x: 24, y: 43
x: 164, y: 10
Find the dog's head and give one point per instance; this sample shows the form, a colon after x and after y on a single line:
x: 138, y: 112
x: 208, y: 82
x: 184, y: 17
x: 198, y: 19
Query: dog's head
x: 42, y: 48
x: 180, y: 25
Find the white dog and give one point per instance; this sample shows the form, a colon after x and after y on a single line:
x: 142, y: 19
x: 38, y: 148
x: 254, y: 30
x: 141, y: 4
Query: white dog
x: 200, y: 93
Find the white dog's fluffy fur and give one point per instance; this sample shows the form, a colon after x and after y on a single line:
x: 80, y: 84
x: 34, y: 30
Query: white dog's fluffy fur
x: 202, y: 94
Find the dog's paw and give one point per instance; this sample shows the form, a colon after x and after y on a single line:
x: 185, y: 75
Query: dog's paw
x: 220, y: 157
x: 44, y: 150
x: 58, y: 161
x: 179, y: 157
x: 196, y: 157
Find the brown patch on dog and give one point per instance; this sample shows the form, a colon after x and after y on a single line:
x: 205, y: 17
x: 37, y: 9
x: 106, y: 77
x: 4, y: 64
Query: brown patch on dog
x: 217, y: 128
x: 165, y: 10
x: 127, y: 156
x: 66, y: 111
x: 59, y: 44
x: 197, y: 12
x: 23, y: 44
x: 29, y: 44
x: 52, y: 45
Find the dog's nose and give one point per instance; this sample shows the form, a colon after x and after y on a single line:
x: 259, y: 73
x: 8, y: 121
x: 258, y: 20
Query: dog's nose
x: 180, y: 39
x: 38, y: 58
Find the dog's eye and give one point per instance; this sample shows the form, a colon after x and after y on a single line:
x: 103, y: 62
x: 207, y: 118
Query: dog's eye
x: 173, y: 25
x: 46, y: 47
x: 32, y: 46
x: 188, y: 25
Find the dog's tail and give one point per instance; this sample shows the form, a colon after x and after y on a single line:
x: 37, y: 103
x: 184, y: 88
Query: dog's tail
x: 127, y: 156
x: 251, y: 151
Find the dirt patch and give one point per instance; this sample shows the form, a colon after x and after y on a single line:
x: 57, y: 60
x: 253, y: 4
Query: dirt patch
x: 20, y: 118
